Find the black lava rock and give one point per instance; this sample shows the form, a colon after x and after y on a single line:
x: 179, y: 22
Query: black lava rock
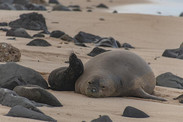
x: 102, y: 6
x: 64, y: 78
x: 83, y: 37
x: 108, y: 42
x: 126, y: 45
x: 134, y: 113
x: 19, y: 32
x: 13, y: 74
x: 39, y: 42
x: 20, y: 111
x: 181, y: 15
x: 39, y: 35
x: 10, y: 98
x: 57, y: 34
x: 3, y: 24
x: 53, y: 1
x: 60, y: 7
x: 169, y: 80
x: 30, y: 21
x: 4, y: 29
x: 97, y: 51
x: 37, y: 94
x: 32, y: 6
x: 173, y: 53
x: 103, y: 118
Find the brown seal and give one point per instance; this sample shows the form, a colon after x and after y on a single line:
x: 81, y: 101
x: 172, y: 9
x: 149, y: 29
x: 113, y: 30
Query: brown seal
x: 117, y: 73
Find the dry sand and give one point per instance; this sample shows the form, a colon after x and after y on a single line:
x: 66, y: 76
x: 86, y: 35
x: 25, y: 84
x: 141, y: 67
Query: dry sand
x: 151, y: 35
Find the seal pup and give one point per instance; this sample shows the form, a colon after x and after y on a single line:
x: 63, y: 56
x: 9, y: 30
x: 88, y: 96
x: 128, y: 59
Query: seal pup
x: 117, y: 73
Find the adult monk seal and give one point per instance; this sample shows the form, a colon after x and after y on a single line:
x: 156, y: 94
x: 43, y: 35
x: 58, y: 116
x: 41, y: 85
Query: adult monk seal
x: 117, y: 73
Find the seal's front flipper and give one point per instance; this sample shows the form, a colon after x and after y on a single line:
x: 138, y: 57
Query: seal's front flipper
x: 141, y: 93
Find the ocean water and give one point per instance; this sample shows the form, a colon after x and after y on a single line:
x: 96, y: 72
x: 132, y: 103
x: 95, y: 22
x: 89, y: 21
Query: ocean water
x: 158, y: 7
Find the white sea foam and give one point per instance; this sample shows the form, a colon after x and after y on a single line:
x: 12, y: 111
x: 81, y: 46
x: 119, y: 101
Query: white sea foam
x: 158, y: 7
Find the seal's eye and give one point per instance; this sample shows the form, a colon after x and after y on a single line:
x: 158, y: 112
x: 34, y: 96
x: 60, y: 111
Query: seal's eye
x: 89, y: 83
x: 103, y: 87
x: 93, y: 90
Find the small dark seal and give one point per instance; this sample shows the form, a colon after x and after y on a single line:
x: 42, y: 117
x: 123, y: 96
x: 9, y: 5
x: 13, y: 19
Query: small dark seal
x: 64, y: 78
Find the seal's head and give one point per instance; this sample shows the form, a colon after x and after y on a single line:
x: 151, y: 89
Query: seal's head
x: 99, y: 87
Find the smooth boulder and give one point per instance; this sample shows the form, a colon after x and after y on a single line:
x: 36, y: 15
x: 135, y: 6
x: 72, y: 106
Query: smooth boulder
x: 20, y: 111
x: 39, y: 42
x: 108, y: 42
x: 37, y: 94
x: 169, y: 80
x: 10, y: 98
x: 19, y: 32
x: 27, y: 75
x: 103, y: 118
x: 173, y: 53
x: 83, y: 37
x: 96, y: 51
x: 134, y: 113
x: 56, y: 34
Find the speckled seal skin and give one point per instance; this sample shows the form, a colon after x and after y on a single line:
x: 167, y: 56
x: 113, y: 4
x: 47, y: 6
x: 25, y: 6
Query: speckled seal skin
x: 117, y: 73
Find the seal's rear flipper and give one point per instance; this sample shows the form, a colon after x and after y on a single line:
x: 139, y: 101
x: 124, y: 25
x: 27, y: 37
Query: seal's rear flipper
x: 141, y: 93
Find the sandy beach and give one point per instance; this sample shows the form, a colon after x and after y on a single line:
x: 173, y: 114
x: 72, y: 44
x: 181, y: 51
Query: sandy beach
x: 149, y: 34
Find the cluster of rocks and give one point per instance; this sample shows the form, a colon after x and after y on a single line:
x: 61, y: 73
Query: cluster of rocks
x: 22, y: 5
x: 22, y: 88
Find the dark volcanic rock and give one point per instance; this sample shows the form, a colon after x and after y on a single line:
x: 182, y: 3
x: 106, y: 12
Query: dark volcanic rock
x: 31, y: 21
x: 3, y: 24
x: 7, y: 6
x: 83, y: 37
x: 102, y: 6
x: 169, y: 80
x: 12, y: 82
x: 32, y: 6
x: 108, y: 42
x: 103, y: 118
x: 39, y: 35
x: 181, y: 15
x: 21, y: 2
x: 10, y: 98
x: 20, y: 7
x: 37, y: 94
x: 180, y: 98
x: 39, y: 42
x: 173, y: 53
x: 4, y: 29
x: 57, y: 34
x: 8, y: 53
x: 75, y: 7
x: 19, y: 32
x: 20, y: 111
x: 66, y: 37
x: 126, y: 45
x: 134, y: 113
x: 60, y: 7
x: 97, y: 51
x: 25, y: 75
x: 6, y: 1
x: 53, y: 1
x: 64, y: 78
x: 80, y: 44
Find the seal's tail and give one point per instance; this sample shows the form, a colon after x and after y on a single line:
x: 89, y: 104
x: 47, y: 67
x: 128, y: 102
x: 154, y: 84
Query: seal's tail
x: 141, y: 93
